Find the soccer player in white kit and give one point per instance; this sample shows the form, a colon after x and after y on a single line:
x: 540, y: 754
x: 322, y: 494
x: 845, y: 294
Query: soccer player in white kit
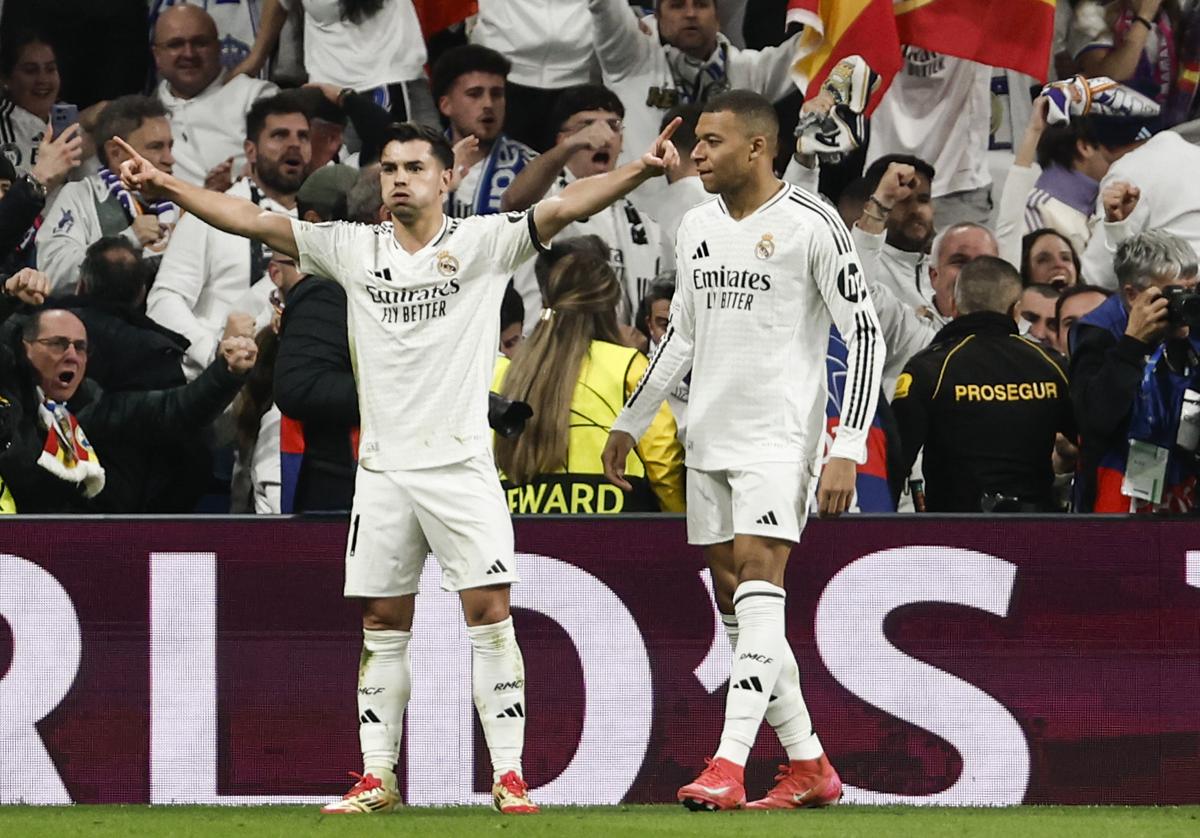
x: 764, y: 268
x: 423, y: 294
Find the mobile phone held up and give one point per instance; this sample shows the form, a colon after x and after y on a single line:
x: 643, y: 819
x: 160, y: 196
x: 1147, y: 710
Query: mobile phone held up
x: 62, y: 116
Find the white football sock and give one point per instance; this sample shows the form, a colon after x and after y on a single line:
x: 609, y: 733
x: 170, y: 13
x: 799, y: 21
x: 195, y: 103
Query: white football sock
x: 384, y: 685
x: 786, y: 712
x: 759, y: 607
x: 498, y: 685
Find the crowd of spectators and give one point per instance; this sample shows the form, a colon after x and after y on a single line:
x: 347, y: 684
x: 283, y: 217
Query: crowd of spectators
x: 1036, y: 313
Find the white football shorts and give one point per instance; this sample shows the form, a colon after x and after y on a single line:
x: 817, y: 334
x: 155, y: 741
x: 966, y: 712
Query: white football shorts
x: 767, y: 499
x: 457, y: 511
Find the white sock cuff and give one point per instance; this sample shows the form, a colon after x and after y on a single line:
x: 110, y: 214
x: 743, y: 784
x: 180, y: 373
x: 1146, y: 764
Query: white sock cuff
x: 730, y: 620
x: 756, y: 589
x: 481, y: 635
x: 385, y: 640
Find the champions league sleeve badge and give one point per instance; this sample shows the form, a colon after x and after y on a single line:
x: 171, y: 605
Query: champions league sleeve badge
x: 765, y: 248
x: 447, y: 264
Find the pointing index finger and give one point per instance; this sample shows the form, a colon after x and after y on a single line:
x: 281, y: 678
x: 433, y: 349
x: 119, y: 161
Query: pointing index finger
x: 670, y: 129
x: 126, y: 146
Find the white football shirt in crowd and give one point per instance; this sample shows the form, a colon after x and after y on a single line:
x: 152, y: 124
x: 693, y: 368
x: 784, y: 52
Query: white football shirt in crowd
x: 549, y: 42
x: 754, y: 300
x: 423, y: 329
x: 938, y: 108
x: 386, y: 48
x: 20, y: 135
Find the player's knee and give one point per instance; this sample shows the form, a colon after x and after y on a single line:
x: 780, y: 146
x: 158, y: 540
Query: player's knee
x: 485, y: 606
x: 390, y: 614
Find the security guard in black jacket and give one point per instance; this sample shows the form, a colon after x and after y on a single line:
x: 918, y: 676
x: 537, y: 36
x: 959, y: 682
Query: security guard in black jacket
x: 984, y: 402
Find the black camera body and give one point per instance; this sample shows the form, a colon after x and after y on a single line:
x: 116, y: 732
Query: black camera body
x: 506, y: 417
x: 1183, y: 306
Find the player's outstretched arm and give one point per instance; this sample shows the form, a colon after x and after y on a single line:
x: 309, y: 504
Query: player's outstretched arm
x: 225, y: 212
x: 591, y: 194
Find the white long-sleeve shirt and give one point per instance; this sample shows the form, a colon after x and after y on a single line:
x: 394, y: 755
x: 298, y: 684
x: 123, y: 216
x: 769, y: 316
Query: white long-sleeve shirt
x: 753, y: 305
x: 72, y: 224
x: 633, y: 61
x: 210, y: 127
x: 1165, y: 170
x: 549, y: 42
x: 205, y: 275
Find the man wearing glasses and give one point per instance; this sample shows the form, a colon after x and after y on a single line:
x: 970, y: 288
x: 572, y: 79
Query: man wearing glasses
x: 206, y: 115
x: 56, y: 425
x: 590, y: 121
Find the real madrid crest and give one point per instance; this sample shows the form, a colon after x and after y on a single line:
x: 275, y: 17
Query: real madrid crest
x: 765, y: 248
x: 447, y: 265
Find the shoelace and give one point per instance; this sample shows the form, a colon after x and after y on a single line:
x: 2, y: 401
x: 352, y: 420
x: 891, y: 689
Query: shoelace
x: 368, y: 783
x: 514, y: 784
x: 784, y: 771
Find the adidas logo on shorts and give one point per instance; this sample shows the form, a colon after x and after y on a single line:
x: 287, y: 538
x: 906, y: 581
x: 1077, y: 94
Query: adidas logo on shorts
x: 498, y: 567
x: 769, y: 518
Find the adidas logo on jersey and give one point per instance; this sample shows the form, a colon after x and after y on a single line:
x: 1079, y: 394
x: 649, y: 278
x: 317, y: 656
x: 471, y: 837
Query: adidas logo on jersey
x: 751, y: 683
x: 497, y: 567
x: 514, y: 712
x: 701, y: 251
x: 769, y: 518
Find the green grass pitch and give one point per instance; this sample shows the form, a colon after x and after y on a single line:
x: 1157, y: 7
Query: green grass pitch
x: 611, y: 822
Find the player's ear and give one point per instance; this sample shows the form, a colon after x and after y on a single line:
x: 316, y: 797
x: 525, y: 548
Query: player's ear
x: 251, y: 152
x: 758, y: 147
x: 447, y: 176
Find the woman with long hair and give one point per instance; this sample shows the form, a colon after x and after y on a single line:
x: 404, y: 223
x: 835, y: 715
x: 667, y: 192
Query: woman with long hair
x: 1049, y: 258
x: 576, y: 376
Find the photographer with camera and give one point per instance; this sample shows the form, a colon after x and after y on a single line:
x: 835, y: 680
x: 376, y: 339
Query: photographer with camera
x: 1134, y: 368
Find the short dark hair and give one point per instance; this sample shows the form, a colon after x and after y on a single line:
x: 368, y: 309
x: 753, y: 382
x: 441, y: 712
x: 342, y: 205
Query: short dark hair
x: 122, y: 117
x: 662, y: 288
x: 116, y: 280
x: 878, y: 169
x: 1075, y: 291
x: 684, y: 137
x: 512, y: 308
x: 409, y: 132
x: 584, y: 97
x: 1030, y: 239
x: 749, y: 107
x: 1058, y: 142
x: 284, y: 102
x: 456, y: 62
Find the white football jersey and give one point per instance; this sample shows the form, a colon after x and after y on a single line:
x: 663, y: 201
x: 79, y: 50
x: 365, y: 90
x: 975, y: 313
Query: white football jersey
x: 423, y: 329
x: 754, y: 300
x: 20, y: 135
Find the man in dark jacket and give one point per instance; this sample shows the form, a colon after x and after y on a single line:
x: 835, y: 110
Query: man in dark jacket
x: 314, y: 382
x: 984, y: 403
x: 1131, y: 362
x: 60, y: 424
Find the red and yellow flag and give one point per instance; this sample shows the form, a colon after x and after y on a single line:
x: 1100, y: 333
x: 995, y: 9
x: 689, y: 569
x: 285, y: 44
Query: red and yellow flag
x: 1003, y: 33
x: 834, y: 29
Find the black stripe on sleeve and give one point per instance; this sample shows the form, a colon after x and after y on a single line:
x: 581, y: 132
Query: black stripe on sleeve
x: 637, y: 391
x: 841, y: 236
x: 533, y: 233
x: 864, y: 384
